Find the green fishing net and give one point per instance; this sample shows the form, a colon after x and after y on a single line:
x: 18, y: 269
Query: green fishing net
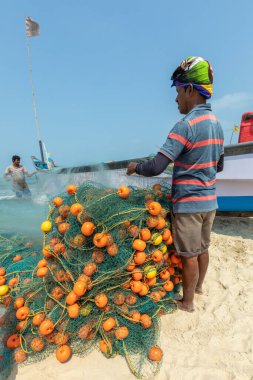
x: 128, y: 279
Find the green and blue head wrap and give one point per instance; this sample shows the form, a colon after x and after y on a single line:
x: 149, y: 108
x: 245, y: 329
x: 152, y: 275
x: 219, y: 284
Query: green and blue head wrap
x: 195, y: 71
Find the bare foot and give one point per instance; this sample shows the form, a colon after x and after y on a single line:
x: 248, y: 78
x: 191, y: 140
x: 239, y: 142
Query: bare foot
x: 199, y: 290
x: 185, y: 307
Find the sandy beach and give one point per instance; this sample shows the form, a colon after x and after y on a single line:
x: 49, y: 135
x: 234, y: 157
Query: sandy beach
x: 213, y: 343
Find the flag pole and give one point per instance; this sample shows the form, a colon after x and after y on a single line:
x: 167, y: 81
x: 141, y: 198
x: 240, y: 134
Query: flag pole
x: 33, y: 95
x: 231, y: 138
x: 235, y: 129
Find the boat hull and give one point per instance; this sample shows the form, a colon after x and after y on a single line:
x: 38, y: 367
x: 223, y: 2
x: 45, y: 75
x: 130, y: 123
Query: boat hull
x: 236, y: 203
x: 235, y: 183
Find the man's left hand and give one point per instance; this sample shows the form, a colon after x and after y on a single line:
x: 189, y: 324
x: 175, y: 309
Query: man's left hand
x: 131, y: 168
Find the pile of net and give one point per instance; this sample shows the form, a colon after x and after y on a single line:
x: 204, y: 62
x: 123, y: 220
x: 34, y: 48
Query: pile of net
x: 105, y: 275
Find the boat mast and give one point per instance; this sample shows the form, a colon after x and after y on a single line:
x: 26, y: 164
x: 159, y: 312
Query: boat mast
x: 32, y: 29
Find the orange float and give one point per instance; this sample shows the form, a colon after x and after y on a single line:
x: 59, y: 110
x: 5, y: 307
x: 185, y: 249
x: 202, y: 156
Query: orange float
x: 131, y: 299
x: 119, y: 298
x: 168, y: 286
x: 137, y: 275
x: 79, y: 240
x: 112, y: 249
x: 135, y: 316
x: 71, y: 189
x: 57, y: 201
x: 146, y: 321
x: 13, y: 341
x: 121, y: 333
x: 100, y: 240
x: 74, y: 310
x: 161, y: 223
x: 109, y: 324
x: 61, y: 338
x: 42, y: 263
x: 154, y: 208
x: 145, y: 234
x: 105, y: 346
x: 101, y: 300
x: 123, y: 192
x: 80, y: 288
x: 63, y: 353
x: 166, y: 234
x: 139, y: 245
x: 140, y: 257
x: 155, y: 354
x: 59, y: 248
x: 97, y: 256
x: 42, y: 272
x: 20, y: 355
x: 37, y: 344
x: 90, y: 268
x: 19, y: 302
x: 46, y: 327
x: 63, y: 227
x: 76, y: 208
x: 72, y: 298
x: 133, y: 230
x: 157, y: 255
x: 47, y: 251
x: 17, y: 258
x: 38, y: 319
x: 88, y: 228
x: 22, y: 313
x: 136, y: 286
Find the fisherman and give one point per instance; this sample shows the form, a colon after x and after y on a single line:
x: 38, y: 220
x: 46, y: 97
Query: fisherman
x: 195, y: 146
x: 50, y: 161
x: 17, y: 173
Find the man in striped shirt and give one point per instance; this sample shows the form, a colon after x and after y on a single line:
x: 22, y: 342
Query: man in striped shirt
x: 195, y: 146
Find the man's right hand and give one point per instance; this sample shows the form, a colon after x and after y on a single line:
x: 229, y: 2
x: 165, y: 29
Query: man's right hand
x: 131, y: 168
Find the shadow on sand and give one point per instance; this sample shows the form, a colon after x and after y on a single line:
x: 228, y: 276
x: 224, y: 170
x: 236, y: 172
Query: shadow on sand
x: 13, y: 373
x: 243, y: 226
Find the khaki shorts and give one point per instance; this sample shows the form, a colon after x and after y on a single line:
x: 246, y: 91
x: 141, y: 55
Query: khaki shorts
x: 191, y: 232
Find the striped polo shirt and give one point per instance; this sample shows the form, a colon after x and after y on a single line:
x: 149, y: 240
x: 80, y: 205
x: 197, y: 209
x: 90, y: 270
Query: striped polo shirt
x: 195, y: 145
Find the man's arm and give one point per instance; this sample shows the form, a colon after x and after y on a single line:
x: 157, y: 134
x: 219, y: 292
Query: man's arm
x: 25, y: 171
x: 220, y: 165
x: 172, y: 148
x: 7, y: 172
x: 150, y: 168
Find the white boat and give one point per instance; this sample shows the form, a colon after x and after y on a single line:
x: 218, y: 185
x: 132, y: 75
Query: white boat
x: 235, y: 183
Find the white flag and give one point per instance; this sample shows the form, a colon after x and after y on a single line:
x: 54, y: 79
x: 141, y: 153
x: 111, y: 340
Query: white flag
x: 32, y: 28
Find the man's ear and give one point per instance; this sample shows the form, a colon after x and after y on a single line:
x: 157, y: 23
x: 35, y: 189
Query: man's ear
x: 190, y: 89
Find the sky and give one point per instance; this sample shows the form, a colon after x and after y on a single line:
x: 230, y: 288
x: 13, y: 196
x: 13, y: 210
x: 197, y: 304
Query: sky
x: 102, y: 71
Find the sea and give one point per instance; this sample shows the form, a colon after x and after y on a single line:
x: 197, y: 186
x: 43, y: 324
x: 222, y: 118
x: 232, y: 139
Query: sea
x: 22, y: 217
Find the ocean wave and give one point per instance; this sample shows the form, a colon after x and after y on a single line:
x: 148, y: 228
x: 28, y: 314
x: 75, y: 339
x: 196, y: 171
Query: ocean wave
x: 6, y: 197
x: 40, y: 199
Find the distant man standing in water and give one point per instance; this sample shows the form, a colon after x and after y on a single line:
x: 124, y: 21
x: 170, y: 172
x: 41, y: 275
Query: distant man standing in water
x: 17, y: 173
x: 195, y: 145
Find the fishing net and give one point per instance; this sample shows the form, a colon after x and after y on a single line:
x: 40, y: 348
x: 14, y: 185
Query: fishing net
x: 106, y: 274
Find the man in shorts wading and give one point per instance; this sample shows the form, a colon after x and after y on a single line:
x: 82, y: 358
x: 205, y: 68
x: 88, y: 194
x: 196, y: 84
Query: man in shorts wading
x: 195, y: 146
x: 16, y: 173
